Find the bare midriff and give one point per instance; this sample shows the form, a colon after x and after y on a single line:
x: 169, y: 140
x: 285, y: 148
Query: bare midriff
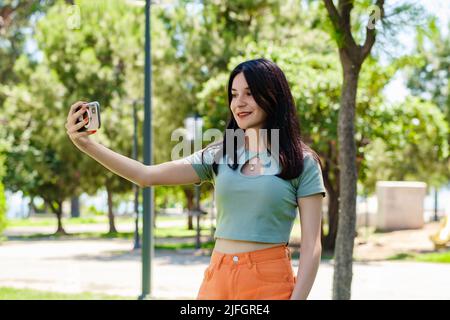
x: 237, y: 246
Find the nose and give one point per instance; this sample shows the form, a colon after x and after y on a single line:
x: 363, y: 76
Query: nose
x: 240, y: 105
x: 240, y: 102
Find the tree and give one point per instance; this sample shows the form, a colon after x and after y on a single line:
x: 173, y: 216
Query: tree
x: 197, y: 43
x: 112, y: 48
x: 429, y: 78
x: 15, y: 22
x: 352, y: 56
x: 33, y: 163
x: 410, y: 144
x: 3, y: 206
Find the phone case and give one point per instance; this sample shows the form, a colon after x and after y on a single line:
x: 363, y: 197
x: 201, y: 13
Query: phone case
x: 92, y: 114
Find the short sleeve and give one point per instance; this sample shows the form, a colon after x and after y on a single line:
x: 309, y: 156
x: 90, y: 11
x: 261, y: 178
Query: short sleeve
x: 311, y: 180
x: 202, y: 161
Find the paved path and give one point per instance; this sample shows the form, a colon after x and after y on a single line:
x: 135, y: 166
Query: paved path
x: 111, y: 267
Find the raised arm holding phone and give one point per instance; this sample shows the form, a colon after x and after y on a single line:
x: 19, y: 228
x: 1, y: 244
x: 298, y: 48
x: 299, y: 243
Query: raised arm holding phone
x: 167, y: 173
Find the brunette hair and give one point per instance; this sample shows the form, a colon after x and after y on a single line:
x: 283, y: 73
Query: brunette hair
x: 270, y: 89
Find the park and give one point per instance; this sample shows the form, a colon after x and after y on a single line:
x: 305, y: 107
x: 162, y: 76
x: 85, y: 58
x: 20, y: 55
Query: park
x: 369, y: 83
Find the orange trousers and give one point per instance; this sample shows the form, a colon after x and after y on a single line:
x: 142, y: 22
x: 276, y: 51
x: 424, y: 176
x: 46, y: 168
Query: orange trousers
x: 264, y: 274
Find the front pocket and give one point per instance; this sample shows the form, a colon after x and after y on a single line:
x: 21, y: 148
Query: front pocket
x: 278, y: 270
x: 207, y: 274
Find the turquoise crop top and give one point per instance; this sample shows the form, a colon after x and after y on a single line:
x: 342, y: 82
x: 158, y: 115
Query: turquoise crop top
x: 260, y: 208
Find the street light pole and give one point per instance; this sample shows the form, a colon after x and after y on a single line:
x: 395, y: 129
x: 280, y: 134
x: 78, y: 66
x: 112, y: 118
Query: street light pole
x: 148, y: 192
x: 137, y: 244
x: 436, y: 217
x: 194, y: 125
x: 197, y: 122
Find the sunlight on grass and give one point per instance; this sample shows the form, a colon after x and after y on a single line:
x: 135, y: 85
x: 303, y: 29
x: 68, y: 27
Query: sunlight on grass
x: 437, y: 257
x: 7, y: 293
x: 51, y: 221
x: 166, y: 232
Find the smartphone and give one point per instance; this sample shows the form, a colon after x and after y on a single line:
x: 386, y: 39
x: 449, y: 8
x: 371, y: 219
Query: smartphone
x: 92, y: 114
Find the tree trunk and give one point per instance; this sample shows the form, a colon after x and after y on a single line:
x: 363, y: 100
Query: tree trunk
x: 331, y: 181
x: 352, y: 57
x: 31, y: 208
x: 60, y: 229
x: 348, y: 177
x: 329, y: 243
x: 58, y: 211
x: 75, y: 207
x: 112, y: 225
x: 190, y: 206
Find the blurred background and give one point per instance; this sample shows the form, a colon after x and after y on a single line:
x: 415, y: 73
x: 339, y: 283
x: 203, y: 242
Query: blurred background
x: 54, y: 53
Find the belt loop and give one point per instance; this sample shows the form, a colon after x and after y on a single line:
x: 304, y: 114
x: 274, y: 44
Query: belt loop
x: 219, y: 263
x: 249, y: 260
x: 288, y: 251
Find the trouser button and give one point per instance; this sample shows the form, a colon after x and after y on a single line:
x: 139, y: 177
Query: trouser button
x: 235, y: 258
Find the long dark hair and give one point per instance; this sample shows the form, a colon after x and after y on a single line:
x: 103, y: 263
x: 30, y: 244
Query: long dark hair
x: 271, y: 92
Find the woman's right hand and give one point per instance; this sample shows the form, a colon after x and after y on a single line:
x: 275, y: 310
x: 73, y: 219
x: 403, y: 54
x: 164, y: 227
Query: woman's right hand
x: 79, y: 139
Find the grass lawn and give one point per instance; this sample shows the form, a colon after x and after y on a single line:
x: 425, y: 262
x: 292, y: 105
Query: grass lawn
x: 168, y: 238
x: 51, y: 221
x: 47, y: 221
x: 165, y: 232
x: 7, y: 293
x: 439, y: 257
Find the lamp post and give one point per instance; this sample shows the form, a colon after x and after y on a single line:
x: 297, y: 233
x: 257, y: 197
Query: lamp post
x: 148, y: 192
x: 436, y: 217
x: 194, y: 125
x: 137, y: 243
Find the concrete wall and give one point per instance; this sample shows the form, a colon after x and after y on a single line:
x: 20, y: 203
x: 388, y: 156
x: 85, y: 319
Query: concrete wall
x: 400, y: 205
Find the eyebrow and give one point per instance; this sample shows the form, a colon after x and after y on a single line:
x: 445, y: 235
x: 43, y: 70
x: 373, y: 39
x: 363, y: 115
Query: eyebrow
x: 236, y: 89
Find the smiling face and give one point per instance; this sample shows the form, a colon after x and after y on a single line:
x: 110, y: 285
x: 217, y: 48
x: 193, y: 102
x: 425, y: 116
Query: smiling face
x: 245, y: 110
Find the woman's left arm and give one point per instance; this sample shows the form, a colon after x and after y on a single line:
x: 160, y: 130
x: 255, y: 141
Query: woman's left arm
x: 310, y: 208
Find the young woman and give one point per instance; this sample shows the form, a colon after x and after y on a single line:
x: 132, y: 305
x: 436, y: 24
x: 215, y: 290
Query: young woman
x: 256, y: 203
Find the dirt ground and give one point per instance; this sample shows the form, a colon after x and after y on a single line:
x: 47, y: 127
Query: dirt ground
x: 382, y: 245
x: 377, y: 246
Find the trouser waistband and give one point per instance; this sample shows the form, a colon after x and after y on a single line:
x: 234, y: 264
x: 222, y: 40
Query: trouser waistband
x: 250, y: 257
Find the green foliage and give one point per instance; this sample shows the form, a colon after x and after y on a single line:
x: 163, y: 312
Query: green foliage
x: 109, y: 41
x: 429, y: 77
x: 92, y: 210
x: 314, y: 78
x: 169, y: 197
x: 41, y: 161
x: 17, y: 19
x: 192, y: 55
x: 409, y: 143
x: 433, y: 257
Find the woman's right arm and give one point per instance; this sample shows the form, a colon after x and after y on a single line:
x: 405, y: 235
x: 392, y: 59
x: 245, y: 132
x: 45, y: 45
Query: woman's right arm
x: 168, y: 173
